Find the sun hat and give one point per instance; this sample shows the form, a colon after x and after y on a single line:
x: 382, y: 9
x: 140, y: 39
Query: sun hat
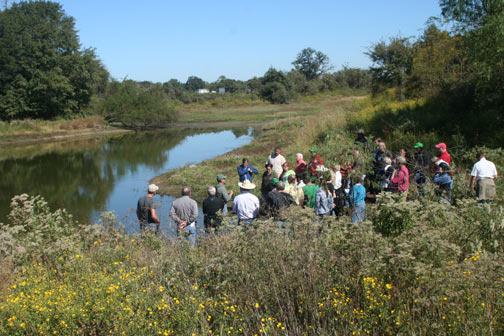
x: 221, y: 177
x: 246, y: 185
x: 274, y: 181
x: 314, y: 150
x: 441, y: 145
x: 152, y: 188
x: 418, y: 145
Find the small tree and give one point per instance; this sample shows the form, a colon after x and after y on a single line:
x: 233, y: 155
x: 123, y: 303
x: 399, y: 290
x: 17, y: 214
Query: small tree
x: 312, y: 63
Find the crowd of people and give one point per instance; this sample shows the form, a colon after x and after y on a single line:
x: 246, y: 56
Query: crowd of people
x: 328, y: 191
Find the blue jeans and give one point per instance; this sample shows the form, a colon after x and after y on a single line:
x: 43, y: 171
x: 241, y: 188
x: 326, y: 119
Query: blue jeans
x: 190, y: 233
x: 245, y: 222
x: 359, y: 212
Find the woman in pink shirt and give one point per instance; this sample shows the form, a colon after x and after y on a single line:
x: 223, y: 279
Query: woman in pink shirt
x: 401, y: 177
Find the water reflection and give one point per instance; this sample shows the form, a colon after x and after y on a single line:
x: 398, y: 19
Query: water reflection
x: 89, y: 176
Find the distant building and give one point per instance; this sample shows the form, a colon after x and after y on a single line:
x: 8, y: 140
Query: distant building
x: 202, y: 91
x: 222, y: 90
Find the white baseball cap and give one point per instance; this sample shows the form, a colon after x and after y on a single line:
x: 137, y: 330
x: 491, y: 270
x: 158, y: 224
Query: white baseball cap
x: 152, y: 188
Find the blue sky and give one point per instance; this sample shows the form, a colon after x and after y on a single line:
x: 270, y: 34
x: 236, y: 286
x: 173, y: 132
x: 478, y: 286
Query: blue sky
x: 157, y: 40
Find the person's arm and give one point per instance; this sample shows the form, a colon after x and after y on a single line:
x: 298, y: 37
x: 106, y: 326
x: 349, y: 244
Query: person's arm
x: 256, y: 210
x: 176, y: 219
x: 154, y: 217
x: 242, y: 171
x: 255, y: 171
x: 138, y: 211
x: 193, y: 216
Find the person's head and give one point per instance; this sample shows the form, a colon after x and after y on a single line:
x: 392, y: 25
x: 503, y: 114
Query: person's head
x: 211, y: 191
x: 280, y: 186
x: 355, y: 178
x: 444, y: 167
x: 221, y: 178
x: 152, y: 188
x: 382, y: 146
x: 480, y: 155
x: 277, y: 150
x: 360, y: 134
x: 378, y: 141
x: 245, y: 162
x: 403, y: 152
x: 186, y: 191
x: 291, y: 179
x: 285, y: 166
x: 388, y: 161
x: 301, y: 177
x: 299, y: 157
x: 441, y: 147
x: 418, y: 147
x: 401, y: 161
x: 313, y: 151
x: 269, y: 168
x: 336, y: 167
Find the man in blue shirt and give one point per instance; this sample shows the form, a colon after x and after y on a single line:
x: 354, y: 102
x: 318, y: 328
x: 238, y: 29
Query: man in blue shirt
x: 245, y: 171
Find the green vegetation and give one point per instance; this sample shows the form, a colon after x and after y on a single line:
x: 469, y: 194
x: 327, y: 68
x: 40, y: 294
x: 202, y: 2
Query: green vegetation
x: 44, y: 73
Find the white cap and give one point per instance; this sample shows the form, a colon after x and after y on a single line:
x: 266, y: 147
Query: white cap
x: 152, y: 188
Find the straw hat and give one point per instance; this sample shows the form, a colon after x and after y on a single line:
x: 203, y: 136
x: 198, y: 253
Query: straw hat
x: 247, y: 185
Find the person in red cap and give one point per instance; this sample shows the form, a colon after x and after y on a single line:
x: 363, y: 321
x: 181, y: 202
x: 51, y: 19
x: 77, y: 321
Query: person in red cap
x: 443, y: 153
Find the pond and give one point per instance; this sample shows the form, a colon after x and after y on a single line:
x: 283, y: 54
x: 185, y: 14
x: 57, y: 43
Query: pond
x: 90, y: 176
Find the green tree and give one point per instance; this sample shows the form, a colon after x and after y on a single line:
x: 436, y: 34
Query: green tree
x: 275, y: 87
x: 392, y: 63
x: 469, y: 14
x: 312, y: 63
x: 133, y: 107
x: 194, y: 83
x: 43, y: 71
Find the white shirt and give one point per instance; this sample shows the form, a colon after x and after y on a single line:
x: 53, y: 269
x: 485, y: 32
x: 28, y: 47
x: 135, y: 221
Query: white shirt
x: 277, y: 163
x: 336, y: 179
x: 246, y: 205
x: 484, y: 169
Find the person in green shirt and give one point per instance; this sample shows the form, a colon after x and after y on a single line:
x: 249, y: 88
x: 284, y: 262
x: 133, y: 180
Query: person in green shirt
x: 286, y: 172
x: 310, y: 191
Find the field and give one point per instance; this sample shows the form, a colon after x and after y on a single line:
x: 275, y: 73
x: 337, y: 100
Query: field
x: 414, y: 267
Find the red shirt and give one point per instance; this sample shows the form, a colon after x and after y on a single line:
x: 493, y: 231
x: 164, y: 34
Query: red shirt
x: 317, y: 161
x: 445, y: 156
x: 300, y: 167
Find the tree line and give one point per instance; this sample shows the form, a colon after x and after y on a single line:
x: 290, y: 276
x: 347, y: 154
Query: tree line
x: 45, y: 74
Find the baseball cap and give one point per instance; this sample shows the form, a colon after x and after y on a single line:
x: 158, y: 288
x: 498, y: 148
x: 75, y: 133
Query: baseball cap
x: 441, y: 145
x: 152, y: 188
x: 221, y: 177
x: 274, y: 181
x: 418, y: 145
x: 314, y: 150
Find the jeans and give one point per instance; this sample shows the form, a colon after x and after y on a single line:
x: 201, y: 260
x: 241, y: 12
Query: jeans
x: 358, y: 213
x: 190, y: 233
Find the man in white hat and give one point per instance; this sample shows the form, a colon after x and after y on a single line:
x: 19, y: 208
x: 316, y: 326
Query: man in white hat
x: 246, y: 205
x: 146, y: 209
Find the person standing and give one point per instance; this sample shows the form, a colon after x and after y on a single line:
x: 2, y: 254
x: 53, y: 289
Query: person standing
x: 400, y: 178
x: 294, y: 190
x: 267, y: 179
x: 316, y: 161
x: 276, y: 160
x: 245, y: 171
x: 422, y: 165
x: 310, y: 191
x: 300, y: 164
x: 444, y: 181
x: 357, y: 199
x: 222, y: 192
x: 443, y: 153
x: 184, y: 212
x: 483, y: 173
x: 146, y: 209
x: 211, y: 206
x: 286, y: 172
x: 324, y: 198
x: 246, y: 205
x: 278, y: 199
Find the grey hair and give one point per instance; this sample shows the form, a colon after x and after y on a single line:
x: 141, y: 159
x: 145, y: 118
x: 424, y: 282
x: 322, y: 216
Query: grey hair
x: 280, y: 185
x: 211, y: 190
x: 299, y: 155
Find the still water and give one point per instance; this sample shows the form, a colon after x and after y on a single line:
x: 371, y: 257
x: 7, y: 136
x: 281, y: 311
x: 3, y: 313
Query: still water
x: 87, y: 177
